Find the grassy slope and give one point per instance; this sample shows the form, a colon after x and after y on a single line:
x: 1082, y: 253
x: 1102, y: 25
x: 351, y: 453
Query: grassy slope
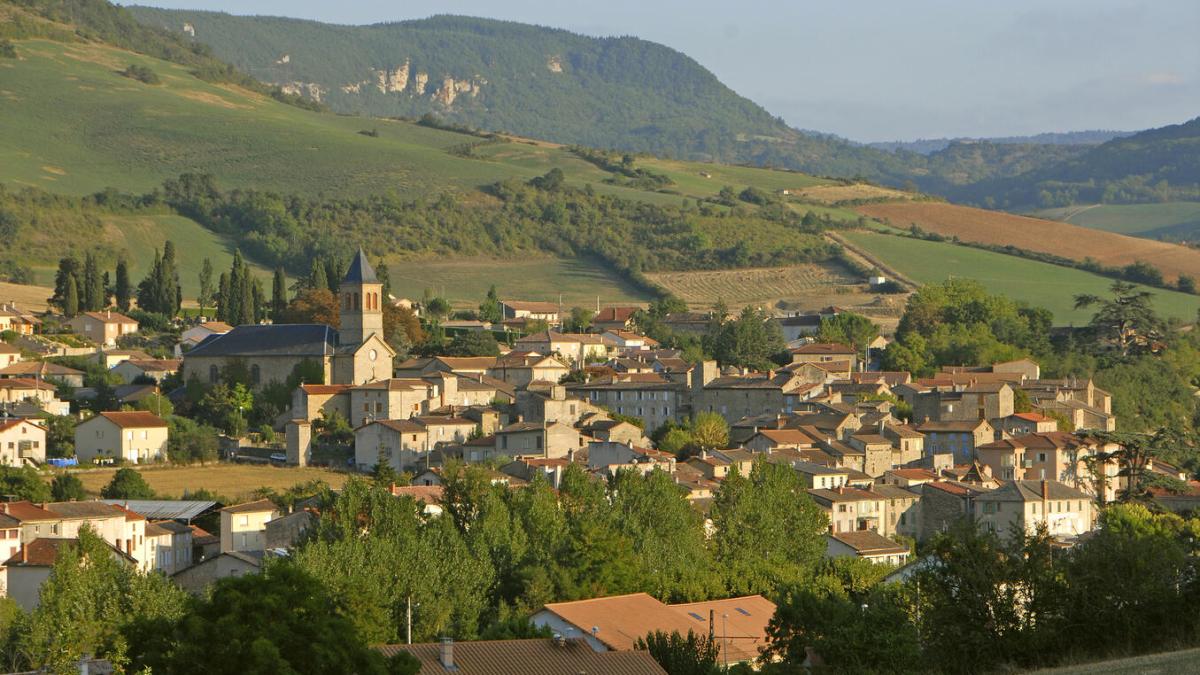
x: 1134, y: 219
x: 1036, y: 283
x: 466, y: 280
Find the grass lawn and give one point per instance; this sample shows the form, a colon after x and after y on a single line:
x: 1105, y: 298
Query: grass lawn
x: 465, y: 281
x: 235, y: 481
x: 1186, y: 661
x: 1135, y: 219
x: 1036, y: 283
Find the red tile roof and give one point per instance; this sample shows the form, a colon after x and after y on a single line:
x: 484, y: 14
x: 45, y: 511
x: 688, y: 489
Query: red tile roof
x: 26, y: 511
x: 134, y: 419
x: 540, y: 656
x: 824, y: 348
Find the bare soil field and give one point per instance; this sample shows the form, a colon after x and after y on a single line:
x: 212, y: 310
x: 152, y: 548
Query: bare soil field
x: 1036, y: 234
x: 831, y: 194
x: 235, y: 481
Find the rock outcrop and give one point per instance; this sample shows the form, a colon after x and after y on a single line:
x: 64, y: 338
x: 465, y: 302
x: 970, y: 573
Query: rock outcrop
x: 390, y: 81
x: 403, y: 79
x: 308, y: 89
x: 554, y: 64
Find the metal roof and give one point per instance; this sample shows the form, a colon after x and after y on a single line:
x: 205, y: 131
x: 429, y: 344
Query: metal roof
x: 165, y: 509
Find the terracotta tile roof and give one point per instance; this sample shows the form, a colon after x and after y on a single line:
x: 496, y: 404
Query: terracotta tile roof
x: 1034, y: 490
x: 134, y: 419
x: 26, y: 511
x: 252, y: 507
x: 868, y: 542
x: 614, y: 314
x: 73, y: 510
x: 157, y: 365
x: 402, y: 426
x: 622, y: 619
x: 950, y: 426
x: 44, y: 552
x: 8, y: 522
x: 5, y: 426
x: 217, y: 326
x: 824, y: 348
x: 324, y: 389
x: 1032, y: 417
x: 541, y: 656
x: 44, y: 368
x: 913, y: 474
x: 109, y: 317
x: 844, y: 494
x: 425, y: 494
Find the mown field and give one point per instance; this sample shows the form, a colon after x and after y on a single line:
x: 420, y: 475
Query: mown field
x: 1036, y: 234
x: 465, y: 281
x: 1184, y: 662
x: 236, y: 481
x: 1143, y: 220
x: 1036, y: 283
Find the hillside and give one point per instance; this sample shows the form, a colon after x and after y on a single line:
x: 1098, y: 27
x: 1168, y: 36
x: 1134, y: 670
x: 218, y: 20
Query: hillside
x: 926, y: 146
x: 1151, y: 166
x: 1035, y: 234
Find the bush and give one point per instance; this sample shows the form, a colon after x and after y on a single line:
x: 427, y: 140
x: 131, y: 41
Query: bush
x: 141, y: 74
x: 7, y: 50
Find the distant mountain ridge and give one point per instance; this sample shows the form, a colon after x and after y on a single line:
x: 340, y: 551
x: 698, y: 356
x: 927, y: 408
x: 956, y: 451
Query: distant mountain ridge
x: 925, y: 146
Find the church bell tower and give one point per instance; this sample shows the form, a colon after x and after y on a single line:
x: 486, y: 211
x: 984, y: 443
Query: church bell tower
x: 360, y: 298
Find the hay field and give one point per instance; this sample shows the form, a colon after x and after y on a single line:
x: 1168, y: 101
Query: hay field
x: 235, y: 481
x: 1035, y: 234
x: 831, y: 194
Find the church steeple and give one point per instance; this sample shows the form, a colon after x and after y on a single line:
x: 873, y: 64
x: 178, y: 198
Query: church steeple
x: 360, y: 296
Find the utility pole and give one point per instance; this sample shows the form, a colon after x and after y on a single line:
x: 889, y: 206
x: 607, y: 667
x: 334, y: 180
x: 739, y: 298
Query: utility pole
x: 725, y: 638
x: 408, y: 629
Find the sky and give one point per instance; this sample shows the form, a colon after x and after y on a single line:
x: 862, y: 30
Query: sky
x: 877, y: 70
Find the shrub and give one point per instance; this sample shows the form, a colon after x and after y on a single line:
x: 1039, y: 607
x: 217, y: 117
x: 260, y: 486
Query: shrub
x: 141, y: 74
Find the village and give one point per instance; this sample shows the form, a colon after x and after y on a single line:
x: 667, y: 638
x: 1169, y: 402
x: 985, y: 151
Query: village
x: 889, y: 459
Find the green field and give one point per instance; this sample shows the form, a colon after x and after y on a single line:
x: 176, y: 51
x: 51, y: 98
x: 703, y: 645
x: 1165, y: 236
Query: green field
x: 1147, y: 220
x: 465, y: 281
x: 1036, y: 283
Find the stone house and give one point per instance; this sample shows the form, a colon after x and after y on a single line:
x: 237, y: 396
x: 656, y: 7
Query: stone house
x: 1020, y: 506
x: 393, y: 399
x: 244, y: 526
x: 43, y: 371
x: 154, y: 369
x: 867, y: 545
x: 614, y: 318
x: 520, y: 368
x: 826, y: 352
x: 903, y: 509
x: 539, y: 439
x: 959, y: 438
x: 1056, y: 456
x: 650, y: 397
x: 532, y: 311
x: 853, y: 510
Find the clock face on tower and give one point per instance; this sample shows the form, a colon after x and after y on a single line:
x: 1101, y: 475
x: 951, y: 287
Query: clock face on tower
x: 372, y: 355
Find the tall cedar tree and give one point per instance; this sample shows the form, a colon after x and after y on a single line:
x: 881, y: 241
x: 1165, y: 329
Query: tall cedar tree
x: 123, y: 290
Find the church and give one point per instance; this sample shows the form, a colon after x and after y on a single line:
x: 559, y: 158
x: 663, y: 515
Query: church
x: 354, y: 354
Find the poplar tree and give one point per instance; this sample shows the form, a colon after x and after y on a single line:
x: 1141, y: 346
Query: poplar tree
x: 123, y: 290
x: 278, y: 295
x: 71, y: 298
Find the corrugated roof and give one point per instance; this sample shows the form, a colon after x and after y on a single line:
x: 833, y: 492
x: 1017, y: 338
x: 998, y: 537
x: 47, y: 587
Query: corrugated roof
x: 542, y: 656
x: 165, y: 509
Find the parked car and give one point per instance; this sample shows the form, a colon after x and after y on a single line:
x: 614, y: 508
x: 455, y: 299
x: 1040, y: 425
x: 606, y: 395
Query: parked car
x: 278, y: 457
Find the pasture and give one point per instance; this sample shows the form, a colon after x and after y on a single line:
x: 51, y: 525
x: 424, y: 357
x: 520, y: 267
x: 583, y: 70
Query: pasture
x: 1141, y: 220
x: 1036, y: 283
x: 236, y: 481
x: 1036, y: 234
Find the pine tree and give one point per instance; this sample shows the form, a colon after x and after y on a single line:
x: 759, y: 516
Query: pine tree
x: 206, y: 288
x: 278, y: 295
x: 123, y: 291
x: 71, y: 298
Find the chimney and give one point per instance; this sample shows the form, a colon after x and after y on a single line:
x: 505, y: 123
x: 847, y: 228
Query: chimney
x: 24, y: 553
x: 446, y: 653
x: 108, y: 313
x: 1045, y: 490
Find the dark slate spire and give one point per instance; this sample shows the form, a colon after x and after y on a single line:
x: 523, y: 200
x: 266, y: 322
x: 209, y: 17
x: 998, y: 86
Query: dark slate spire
x: 360, y: 270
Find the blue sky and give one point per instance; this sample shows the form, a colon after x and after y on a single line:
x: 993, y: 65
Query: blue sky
x: 883, y: 70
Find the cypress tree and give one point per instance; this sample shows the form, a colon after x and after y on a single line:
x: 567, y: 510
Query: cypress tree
x: 67, y: 267
x: 260, y: 298
x: 71, y: 298
x: 317, y: 277
x: 278, y: 295
x: 91, y: 295
x: 246, y: 303
x: 335, y: 271
x: 123, y: 291
x: 381, y: 273
x: 206, y: 288
x: 149, y: 293
x: 223, y: 298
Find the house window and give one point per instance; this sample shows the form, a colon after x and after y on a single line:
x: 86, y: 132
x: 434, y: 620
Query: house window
x: 245, y: 520
x: 841, y: 508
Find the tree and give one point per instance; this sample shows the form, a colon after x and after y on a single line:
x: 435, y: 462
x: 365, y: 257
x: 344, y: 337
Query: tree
x: 280, y: 621
x: 91, y: 297
x: 848, y: 328
x: 314, y: 305
x: 23, y: 483
x: 278, y: 295
x: 317, y: 279
x: 205, y: 296
x: 71, y: 298
x: 385, y: 280
x: 127, y: 483
x: 679, y: 655
x: 474, y: 343
x: 490, y: 310
x: 60, y: 435
x: 709, y: 431
x: 749, y: 340
x: 769, y: 532
x: 123, y: 290
x: 93, y: 603
x: 1126, y: 322
x: 67, y: 487
x: 579, y: 321
x: 68, y: 268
